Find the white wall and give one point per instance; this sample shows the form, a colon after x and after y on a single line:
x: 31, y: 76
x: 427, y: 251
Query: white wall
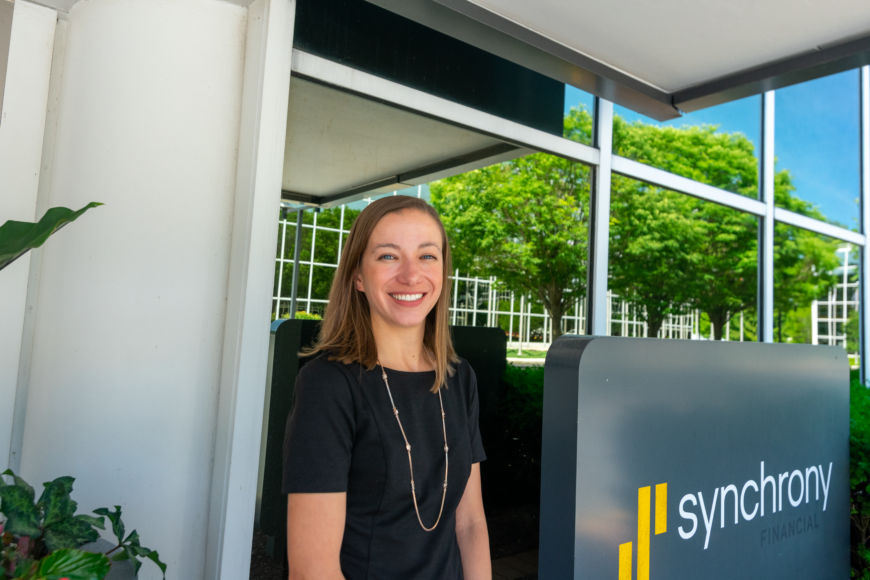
x: 22, y: 120
x: 129, y: 332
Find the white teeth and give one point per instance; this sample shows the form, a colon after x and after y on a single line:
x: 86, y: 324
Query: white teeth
x: 407, y: 297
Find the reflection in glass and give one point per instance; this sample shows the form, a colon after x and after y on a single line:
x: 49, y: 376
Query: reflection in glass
x: 817, y: 146
x: 681, y: 262
x: 717, y: 146
x: 518, y: 232
x: 579, y: 111
x: 815, y: 294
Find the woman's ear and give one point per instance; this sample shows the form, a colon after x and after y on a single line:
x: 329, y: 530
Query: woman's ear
x: 357, y: 281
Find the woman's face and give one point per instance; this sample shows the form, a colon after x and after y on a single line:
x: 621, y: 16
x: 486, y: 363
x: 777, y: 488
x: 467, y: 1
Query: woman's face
x: 401, y: 271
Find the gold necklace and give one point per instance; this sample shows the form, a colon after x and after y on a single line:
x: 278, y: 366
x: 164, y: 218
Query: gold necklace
x: 408, y: 448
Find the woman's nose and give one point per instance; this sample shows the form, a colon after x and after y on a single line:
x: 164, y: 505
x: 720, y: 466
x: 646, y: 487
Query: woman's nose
x: 409, y: 273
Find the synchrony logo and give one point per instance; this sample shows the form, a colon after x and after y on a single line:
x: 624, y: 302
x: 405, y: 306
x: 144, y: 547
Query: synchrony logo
x: 797, y: 486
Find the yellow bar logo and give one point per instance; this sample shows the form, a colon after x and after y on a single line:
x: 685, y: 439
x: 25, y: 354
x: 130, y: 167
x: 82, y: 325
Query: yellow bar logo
x: 644, y: 527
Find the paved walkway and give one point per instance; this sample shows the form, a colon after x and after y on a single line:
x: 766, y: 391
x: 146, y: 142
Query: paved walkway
x: 518, y: 567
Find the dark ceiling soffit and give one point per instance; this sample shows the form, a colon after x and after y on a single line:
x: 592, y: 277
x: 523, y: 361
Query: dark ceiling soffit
x: 806, y: 67
x: 458, y: 161
x: 488, y: 31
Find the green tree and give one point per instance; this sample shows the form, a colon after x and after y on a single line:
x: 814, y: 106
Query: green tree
x: 720, y: 265
x: 803, y: 266
x: 653, y: 249
x: 524, y: 221
x: 689, y: 252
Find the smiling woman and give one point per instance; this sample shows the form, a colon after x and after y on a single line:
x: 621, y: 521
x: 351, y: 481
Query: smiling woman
x: 358, y: 505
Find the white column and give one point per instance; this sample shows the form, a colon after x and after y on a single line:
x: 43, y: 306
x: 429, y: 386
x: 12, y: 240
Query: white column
x: 150, y: 326
x: 22, y: 127
x: 598, y: 311
x: 246, y: 343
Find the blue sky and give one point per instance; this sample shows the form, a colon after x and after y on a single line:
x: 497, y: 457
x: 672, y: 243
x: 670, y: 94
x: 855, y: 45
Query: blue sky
x: 816, y: 137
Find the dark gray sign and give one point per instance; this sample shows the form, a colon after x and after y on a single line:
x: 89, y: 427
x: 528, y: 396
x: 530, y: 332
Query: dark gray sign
x: 672, y: 460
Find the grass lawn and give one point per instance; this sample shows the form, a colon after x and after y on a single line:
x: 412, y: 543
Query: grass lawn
x: 513, y: 353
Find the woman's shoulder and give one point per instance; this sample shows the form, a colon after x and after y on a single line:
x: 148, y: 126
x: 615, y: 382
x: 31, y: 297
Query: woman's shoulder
x: 463, y: 373
x: 324, y: 374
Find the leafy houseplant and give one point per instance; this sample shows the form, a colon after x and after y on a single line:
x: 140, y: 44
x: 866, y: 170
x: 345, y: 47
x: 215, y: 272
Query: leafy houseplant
x: 40, y: 539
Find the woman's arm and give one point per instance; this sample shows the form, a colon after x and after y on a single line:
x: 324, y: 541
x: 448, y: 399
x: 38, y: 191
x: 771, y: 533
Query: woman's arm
x: 315, y: 528
x: 471, y: 532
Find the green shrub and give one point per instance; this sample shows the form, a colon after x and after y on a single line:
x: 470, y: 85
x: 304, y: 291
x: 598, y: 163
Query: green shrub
x: 304, y: 316
x: 518, y: 461
x: 859, y: 476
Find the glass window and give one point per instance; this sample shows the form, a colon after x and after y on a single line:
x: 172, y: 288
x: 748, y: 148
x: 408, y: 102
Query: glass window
x: 506, y: 273
x: 817, y: 148
x: 717, y: 146
x: 680, y: 267
x: 579, y: 111
x: 815, y: 294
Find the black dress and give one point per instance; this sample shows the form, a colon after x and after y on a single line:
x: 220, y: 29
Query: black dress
x: 342, y: 437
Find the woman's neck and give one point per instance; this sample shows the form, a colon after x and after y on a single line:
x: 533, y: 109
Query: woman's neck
x: 401, y: 349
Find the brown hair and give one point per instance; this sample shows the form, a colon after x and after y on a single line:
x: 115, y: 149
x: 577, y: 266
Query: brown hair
x: 346, y: 332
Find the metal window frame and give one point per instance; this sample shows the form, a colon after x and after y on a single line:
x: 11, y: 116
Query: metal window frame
x: 766, y: 224
x: 604, y: 163
x: 864, y: 261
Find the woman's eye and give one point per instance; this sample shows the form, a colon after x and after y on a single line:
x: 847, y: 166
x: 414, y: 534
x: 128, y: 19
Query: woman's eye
x: 430, y: 257
x: 387, y: 257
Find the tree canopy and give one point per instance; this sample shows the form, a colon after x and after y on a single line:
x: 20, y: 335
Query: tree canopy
x: 526, y: 222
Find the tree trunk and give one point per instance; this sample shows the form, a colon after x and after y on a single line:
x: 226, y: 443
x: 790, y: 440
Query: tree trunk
x: 718, y: 320
x: 556, y: 312
x: 653, y: 326
x: 551, y: 296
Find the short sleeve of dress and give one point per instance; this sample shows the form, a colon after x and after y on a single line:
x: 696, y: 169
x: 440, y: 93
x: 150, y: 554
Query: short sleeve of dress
x: 318, y: 442
x: 477, y: 452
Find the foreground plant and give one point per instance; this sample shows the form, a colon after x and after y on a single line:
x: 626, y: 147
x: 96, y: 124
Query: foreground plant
x: 40, y: 539
x: 18, y: 238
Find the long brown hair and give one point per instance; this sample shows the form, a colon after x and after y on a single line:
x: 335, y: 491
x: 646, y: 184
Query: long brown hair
x: 346, y: 332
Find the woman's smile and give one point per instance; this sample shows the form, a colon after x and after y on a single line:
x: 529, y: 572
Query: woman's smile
x: 409, y: 299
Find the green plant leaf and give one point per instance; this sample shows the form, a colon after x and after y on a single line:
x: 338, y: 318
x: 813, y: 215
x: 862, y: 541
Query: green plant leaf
x: 128, y: 553
x: 133, y: 538
x: 25, y: 569
x: 74, y: 565
x: 17, y: 238
x: 115, y: 518
x: 154, y: 557
x: 22, y: 517
x: 56, y: 503
x: 69, y: 532
x: 95, y: 522
x: 17, y: 481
